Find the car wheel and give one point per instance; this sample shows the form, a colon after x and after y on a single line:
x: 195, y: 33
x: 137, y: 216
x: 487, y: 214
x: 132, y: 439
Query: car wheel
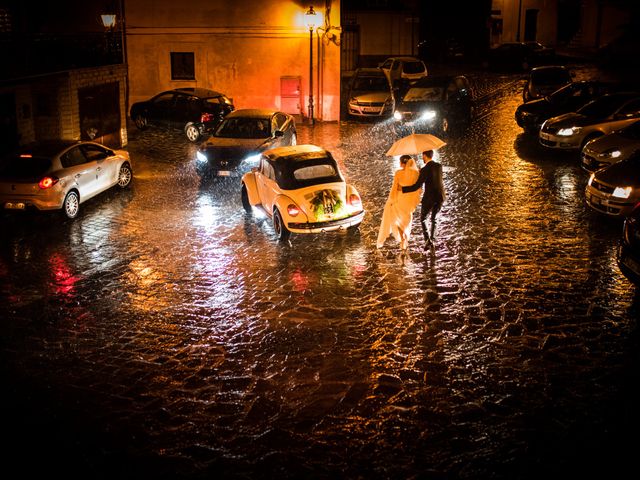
x: 71, y: 205
x: 278, y: 226
x: 141, y: 122
x: 245, y: 199
x: 294, y: 139
x: 192, y: 132
x: 124, y: 176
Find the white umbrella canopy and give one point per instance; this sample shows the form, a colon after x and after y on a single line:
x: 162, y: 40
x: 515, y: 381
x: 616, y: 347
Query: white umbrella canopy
x: 415, y: 144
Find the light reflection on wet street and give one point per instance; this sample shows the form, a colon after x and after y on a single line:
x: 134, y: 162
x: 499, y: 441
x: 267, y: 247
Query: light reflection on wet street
x: 164, y: 333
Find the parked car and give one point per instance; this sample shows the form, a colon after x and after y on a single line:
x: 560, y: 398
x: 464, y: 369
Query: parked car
x: 543, y: 81
x: 370, y: 94
x: 241, y: 136
x: 531, y: 115
x: 611, y: 148
x: 403, y: 68
x: 435, y: 103
x: 615, y: 190
x: 302, y: 189
x: 195, y: 111
x: 603, y: 115
x: 60, y: 175
x: 518, y: 56
x: 628, y: 255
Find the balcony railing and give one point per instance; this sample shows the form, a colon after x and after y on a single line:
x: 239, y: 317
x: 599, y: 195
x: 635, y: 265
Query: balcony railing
x: 37, y: 54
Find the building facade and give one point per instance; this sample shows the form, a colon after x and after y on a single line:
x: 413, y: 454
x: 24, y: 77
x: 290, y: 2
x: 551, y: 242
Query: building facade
x: 258, y: 52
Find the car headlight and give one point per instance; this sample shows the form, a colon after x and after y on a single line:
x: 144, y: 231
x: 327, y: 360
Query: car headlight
x: 622, y: 192
x: 255, y: 158
x: 428, y: 115
x: 567, y: 132
x: 397, y: 115
x: 611, y: 153
x: 201, y: 157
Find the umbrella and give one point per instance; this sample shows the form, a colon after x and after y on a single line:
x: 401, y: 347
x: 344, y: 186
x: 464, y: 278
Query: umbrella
x: 415, y: 144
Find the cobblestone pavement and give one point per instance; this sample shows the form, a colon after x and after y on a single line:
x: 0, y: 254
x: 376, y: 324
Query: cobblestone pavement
x: 166, y: 334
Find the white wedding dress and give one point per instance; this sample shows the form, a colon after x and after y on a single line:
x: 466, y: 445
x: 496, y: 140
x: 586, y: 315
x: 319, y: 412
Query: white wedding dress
x: 399, y: 208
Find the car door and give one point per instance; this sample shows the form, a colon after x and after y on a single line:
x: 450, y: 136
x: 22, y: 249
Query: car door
x: 80, y: 171
x: 106, y: 166
x: 267, y: 187
x: 159, y: 109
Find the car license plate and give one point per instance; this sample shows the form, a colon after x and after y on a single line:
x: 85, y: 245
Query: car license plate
x: 631, y: 264
x: 15, y: 206
x: 224, y: 173
x: 545, y: 136
x: 370, y: 109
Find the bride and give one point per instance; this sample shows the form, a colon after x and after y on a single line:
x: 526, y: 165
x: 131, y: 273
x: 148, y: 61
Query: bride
x: 398, y: 211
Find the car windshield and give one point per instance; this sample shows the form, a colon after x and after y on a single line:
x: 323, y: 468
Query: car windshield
x: 550, y: 76
x: 305, y: 173
x: 371, y: 84
x: 25, y: 168
x: 631, y: 132
x: 423, y: 94
x: 239, y: 127
x: 601, y: 107
x: 413, y: 67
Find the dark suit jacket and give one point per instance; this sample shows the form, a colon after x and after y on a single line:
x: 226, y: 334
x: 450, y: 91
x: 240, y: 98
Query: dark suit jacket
x: 431, y: 176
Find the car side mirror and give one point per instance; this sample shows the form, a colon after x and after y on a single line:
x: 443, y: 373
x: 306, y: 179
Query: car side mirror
x: 278, y: 133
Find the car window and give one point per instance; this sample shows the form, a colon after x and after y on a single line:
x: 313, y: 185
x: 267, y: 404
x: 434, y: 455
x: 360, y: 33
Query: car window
x: 268, y: 171
x: 413, y: 67
x: 73, y: 157
x: 25, y: 167
x: 308, y: 172
x: 387, y: 64
x: 631, y: 109
x: 163, y: 100
x: 550, y: 76
x: 314, y: 172
x: 239, y: 127
x: 632, y: 131
x: 396, y: 66
x: 94, y: 152
x: 601, y: 107
x: 371, y: 84
x: 417, y: 94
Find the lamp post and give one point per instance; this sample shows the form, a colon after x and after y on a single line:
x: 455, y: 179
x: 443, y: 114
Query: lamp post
x: 311, y: 17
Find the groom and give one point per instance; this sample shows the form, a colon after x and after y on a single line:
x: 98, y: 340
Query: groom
x: 433, y: 196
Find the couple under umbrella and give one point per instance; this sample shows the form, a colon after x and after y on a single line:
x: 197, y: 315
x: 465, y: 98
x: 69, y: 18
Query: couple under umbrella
x: 404, y: 196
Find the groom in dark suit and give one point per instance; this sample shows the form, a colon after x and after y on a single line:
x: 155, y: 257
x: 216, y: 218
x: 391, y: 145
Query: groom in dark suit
x: 433, y: 196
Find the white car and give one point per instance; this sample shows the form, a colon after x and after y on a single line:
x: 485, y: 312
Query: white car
x: 613, y: 147
x: 603, y: 115
x: 302, y: 189
x: 409, y: 69
x: 615, y: 190
x: 61, y: 174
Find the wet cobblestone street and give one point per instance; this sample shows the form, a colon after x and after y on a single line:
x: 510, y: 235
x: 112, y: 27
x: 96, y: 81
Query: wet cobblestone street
x: 164, y: 333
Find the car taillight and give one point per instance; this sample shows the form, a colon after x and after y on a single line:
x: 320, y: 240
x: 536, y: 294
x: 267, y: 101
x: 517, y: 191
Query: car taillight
x: 47, y: 182
x: 206, y: 117
x: 293, y: 210
x: 354, y: 200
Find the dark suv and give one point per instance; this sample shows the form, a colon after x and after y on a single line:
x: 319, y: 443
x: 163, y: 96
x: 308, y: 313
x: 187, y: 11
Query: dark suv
x: 192, y: 110
x: 629, y: 250
x: 434, y: 103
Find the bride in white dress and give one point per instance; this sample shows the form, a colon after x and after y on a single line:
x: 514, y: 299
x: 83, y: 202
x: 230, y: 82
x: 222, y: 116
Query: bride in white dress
x: 398, y: 211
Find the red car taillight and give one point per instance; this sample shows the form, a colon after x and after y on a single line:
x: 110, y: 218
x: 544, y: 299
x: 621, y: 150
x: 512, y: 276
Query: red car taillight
x: 293, y: 210
x: 354, y: 200
x: 206, y: 117
x: 47, y: 182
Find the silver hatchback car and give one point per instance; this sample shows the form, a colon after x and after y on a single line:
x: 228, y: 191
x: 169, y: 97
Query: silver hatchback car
x: 61, y: 174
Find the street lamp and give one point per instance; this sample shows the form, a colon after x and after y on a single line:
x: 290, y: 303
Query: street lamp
x: 311, y: 19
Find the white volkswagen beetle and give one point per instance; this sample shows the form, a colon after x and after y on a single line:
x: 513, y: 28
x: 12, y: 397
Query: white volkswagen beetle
x: 302, y: 189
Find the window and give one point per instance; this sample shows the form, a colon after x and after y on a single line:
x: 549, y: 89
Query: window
x: 73, y: 158
x: 94, y: 152
x: 183, y: 66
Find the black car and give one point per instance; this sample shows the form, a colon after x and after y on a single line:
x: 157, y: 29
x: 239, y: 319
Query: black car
x: 435, y: 104
x: 628, y: 256
x: 195, y: 111
x: 241, y: 137
x: 519, y: 56
x: 531, y: 115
